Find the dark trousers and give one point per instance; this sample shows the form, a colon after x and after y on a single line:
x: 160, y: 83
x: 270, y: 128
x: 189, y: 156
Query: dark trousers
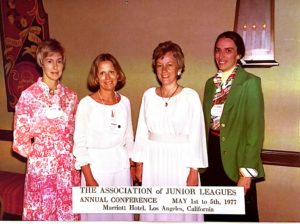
x: 216, y: 176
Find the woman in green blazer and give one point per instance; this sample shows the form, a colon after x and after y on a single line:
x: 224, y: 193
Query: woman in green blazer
x: 234, y: 118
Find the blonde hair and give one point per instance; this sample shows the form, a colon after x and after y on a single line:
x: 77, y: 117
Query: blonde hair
x: 47, y: 46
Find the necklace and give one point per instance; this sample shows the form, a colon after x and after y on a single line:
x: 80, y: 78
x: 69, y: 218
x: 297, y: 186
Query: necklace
x: 51, y: 91
x: 167, y: 101
x: 54, y: 85
x: 102, y: 101
x: 113, y: 114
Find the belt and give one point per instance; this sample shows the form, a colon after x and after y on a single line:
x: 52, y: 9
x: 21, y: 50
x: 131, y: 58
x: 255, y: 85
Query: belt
x: 215, y: 133
x: 168, y: 138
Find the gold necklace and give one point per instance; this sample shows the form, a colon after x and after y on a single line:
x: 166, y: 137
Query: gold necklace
x: 167, y: 102
x: 52, y: 91
x: 113, y: 114
x: 102, y: 101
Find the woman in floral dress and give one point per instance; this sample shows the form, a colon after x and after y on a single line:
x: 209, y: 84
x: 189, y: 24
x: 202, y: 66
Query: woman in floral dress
x: 43, y: 133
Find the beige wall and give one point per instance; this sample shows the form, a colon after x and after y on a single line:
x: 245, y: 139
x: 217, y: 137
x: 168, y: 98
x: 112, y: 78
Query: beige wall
x: 131, y: 29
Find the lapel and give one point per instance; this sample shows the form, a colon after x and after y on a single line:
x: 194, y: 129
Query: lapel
x: 235, y: 90
x: 211, y: 89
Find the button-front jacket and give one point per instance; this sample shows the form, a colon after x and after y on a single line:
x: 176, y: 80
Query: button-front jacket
x: 241, y: 124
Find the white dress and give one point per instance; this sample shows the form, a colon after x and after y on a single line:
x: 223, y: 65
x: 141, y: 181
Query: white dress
x: 169, y: 141
x: 103, y: 138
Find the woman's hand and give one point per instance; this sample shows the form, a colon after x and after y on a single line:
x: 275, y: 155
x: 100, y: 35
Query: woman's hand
x: 193, y: 178
x: 91, y: 182
x: 88, y: 176
x: 139, y: 172
x: 132, y: 170
x: 244, y: 182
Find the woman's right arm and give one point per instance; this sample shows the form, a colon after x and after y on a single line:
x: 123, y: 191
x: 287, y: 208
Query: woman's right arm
x: 141, y: 139
x: 22, y: 124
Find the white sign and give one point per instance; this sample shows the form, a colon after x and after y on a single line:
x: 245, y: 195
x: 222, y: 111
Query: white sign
x: 192, y: 200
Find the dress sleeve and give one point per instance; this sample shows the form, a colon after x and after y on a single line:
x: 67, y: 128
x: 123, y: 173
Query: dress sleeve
x: 141, y: 137
x: 22, y: 123
x: 197, y: 157
x: 128, y: 138
x: 80, y: 149
x: 71, y: 118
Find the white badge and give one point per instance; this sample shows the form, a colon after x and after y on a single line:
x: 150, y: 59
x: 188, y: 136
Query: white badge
x: 53, y: 112
x: 115, y: 128
x: 217, y: 110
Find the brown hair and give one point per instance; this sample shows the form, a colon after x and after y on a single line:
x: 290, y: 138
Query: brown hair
x: 93, y: 82
x: 47, y: 46
x: 162, y: 49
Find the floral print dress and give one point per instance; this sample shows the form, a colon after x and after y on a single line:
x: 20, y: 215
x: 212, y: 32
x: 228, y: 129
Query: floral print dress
x: 43, y: 133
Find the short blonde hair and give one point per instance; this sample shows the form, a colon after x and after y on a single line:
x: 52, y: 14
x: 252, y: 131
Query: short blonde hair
x: 47, y: 46
x: 93, y: 82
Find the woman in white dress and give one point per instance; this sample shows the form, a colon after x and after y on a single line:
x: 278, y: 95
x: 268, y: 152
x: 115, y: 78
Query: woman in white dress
x: 170, y: 142
x: 103, y: 137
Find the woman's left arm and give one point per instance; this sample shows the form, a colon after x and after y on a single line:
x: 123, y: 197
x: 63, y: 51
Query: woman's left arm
x: 128, y: 141
x: 71, y: 116
x: 197, y: 157
x: 254, y: 131
x: 254, y: 124
x: 128, y: 138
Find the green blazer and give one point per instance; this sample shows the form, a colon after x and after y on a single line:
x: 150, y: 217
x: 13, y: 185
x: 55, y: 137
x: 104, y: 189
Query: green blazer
x: 241, y: 125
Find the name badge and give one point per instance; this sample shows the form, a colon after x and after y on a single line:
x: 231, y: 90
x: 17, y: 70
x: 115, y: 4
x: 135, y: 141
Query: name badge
x: 115, y: 128
x: 53, y: 112
x: 217, y: 110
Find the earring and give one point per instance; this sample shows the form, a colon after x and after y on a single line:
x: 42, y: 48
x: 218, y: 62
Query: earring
x: 179, y: 73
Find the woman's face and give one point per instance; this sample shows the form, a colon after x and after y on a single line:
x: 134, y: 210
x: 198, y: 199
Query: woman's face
x: 167, y: 69
x: 107, y: 76
x: 52, y: 66
x: 226, y: 55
